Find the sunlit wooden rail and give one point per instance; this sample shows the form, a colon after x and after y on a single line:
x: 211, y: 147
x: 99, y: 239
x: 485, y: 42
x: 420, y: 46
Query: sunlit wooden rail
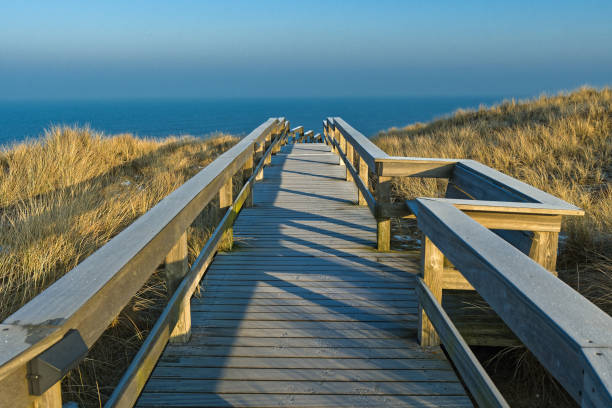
x: 491, y: 235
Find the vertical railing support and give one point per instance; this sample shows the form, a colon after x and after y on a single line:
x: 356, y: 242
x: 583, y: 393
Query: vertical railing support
x: 334, y: 137
x: 259, y: 152
x: 544, y: 249
x: 432, y: 269
x: 364, y: 175
x: 225, y: 201
x: 176, y: 268
x: 268, y: 142
x: 350, y: 158
x: 278, y: 134
x: 383, y: 230
x: 247, y: 172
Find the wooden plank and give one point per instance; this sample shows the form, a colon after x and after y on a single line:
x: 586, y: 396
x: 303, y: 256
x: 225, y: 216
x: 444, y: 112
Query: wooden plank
x: 299, y: 342
x: 310, y: 401
x: 430, y: 362
x: 302, y: 302
x: 309, y: 317
x: 156, y: 385
x: 275, y: 374
x: 510, y: 207
x: 415, y: 167
x: 474, y: 376
x: 398, y: 329
x: 512, y: 185
x: 293, y: 352
x: 517, y: 221
x: 226, y: 284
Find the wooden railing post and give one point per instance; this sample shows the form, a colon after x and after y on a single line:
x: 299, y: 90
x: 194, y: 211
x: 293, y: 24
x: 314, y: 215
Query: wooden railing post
x: 225, y: 201
x: 544, y: 249
x: 364, y: 175
x: 432, y: 269
x: 269, y: 140
x: 350, y: 158
x: 383, y: 229
x: 259, y: 152
x: 338, y: 140
x: 277, y: 147
x: 176, y: 268
x: 247, y: 172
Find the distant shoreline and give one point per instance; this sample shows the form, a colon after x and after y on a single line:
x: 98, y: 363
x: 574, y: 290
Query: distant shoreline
x: 158, y: 118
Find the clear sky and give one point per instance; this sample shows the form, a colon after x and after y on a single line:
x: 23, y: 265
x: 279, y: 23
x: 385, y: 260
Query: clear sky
x: 181, y: 48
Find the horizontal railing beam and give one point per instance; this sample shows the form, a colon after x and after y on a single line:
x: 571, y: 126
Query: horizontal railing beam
x: 415, y: 167
x: 554, y: 321
x: 514, y: 189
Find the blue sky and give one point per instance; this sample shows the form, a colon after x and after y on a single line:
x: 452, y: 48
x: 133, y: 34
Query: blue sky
x: 196, y: 49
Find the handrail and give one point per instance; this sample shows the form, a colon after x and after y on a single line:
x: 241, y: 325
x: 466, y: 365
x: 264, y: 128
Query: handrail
x: 366, y: 149
x: 129, y: 388
x: 567, y: 333
x: 468, y: 179
x: 92, y: 294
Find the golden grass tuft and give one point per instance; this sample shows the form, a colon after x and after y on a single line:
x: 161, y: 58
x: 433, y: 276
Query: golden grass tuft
x: 64, y: 196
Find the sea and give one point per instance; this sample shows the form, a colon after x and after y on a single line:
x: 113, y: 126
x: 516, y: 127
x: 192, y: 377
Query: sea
x: 158, y: 118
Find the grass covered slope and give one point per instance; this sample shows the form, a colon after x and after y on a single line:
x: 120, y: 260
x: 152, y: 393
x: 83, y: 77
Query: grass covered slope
x: 64, y: 196
x: 560, y: 144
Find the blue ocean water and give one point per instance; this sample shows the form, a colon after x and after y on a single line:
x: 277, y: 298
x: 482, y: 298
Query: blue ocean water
x: 160, y: 118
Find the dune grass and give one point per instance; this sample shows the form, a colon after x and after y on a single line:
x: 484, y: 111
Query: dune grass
x: 64, y: 196
x: 561, y: 144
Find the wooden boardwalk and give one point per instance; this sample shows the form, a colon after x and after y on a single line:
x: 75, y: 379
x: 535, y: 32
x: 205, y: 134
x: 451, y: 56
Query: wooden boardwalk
x: 304, y: 312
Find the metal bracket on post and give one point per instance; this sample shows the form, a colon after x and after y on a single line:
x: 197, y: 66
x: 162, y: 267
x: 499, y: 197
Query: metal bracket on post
x: 50, y: 366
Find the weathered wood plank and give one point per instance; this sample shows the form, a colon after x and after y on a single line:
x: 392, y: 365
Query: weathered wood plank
x: 294, y: 401
x: 156, y: 385
x: 275, y: 374
x: 415, y: 167
x: 432, y: 361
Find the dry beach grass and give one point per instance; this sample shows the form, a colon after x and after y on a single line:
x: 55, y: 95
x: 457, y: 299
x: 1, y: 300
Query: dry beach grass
x: 64, y: 196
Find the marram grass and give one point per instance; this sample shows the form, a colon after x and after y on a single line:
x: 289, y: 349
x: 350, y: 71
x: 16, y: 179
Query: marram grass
x: 64, y: 196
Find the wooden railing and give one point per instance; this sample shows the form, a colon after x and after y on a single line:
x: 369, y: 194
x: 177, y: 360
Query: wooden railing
x: 488, y: 226
x: 49, y: 335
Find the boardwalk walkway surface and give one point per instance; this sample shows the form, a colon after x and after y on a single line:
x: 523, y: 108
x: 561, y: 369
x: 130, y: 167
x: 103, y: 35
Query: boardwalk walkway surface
x: 304, y: 313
